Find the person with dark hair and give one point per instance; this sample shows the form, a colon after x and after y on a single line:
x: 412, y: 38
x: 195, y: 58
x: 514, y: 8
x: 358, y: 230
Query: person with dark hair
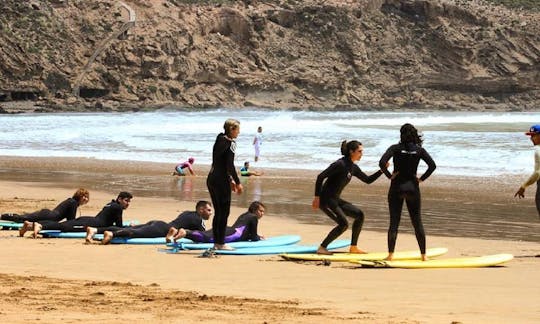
x: 67, y: 209
x: 534, y: 133
x: 244, y: 229
x: 404, y: 186
x: 193, y: 220
x: 246, y: 172
x: 222, y: 180
x: 328, y: 187
x: 110, y: 215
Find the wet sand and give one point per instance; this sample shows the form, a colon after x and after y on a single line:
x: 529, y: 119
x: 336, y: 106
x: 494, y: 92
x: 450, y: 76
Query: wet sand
x: 66, y: 280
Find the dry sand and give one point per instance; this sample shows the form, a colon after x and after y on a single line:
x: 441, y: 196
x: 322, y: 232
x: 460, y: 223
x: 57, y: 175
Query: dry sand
x: 52, y: 280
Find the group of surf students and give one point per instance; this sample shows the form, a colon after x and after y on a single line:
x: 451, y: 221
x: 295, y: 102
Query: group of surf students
x: 109, y: 221
x: 223, y: 180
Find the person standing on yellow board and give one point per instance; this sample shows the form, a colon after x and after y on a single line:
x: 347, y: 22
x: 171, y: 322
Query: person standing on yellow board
x: 405, y: 184
x: 328, y: 187
x: 257, y: 142
x: 534, y: 133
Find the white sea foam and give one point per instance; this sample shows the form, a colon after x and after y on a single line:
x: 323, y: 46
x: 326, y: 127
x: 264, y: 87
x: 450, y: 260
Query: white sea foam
x: 461, y: 143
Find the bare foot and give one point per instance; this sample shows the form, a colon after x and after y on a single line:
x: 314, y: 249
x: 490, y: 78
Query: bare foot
x: 224, y: 247
x: 90, y: 232
x: 180, y: 234
x: 107, y: 237
x: 424, y: 257
x: 389, y: 257
x: 26, y: 226
x: 323, y: 251
x: 356, y: 250
x: 37, y: 229
x: 170, y: 234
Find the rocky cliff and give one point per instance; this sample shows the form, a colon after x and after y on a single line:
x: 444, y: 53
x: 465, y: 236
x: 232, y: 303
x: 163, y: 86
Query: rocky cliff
x: 370, y: 54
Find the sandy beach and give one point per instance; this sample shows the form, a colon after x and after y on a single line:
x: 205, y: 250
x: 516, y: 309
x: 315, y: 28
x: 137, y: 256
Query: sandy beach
x: 51, y: 280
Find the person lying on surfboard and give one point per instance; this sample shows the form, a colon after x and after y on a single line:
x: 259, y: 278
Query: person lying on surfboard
x: 244, y: 229
x: 67, y: 210
x: 193, y: 220
x: 328, y: 187
x: 111, y: 214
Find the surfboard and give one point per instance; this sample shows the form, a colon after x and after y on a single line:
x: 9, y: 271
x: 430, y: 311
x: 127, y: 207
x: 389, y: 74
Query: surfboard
x: 293, y: 248
x: 8, y: 225
x: 467, y: 262
x: 115, y: 240
x: 344, y: 257
x: 271, y: 241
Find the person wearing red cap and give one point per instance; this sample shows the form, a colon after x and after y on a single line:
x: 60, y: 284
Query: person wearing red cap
x: 179, y: 168
x: 534, y: 133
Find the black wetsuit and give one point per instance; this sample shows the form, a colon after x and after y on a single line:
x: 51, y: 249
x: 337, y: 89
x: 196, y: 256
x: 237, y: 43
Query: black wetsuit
x: 219, y: 184
x: 66, y: 209
x: 188, y: 220
x: 404, y: 186
x: 110, y: 215
x: 337, y: 176
x: 244, y: 229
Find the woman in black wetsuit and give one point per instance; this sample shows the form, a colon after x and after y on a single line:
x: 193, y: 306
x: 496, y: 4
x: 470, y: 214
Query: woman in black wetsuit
x: 327, y: 195
x: 405, y: 184
x: 222, y: 179
x: 66, y: 209
x: 244, y: 229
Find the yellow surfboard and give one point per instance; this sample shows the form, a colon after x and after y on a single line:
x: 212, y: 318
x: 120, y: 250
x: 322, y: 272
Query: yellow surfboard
x: 344, y: 257
x: 467, y: 262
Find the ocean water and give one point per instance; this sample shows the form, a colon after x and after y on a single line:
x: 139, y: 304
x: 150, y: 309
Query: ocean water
x: 461, y: 143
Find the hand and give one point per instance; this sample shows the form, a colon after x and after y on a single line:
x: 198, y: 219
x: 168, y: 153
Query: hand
x: 520, y: 193
x: 239, y: 188
x: 315, y: 203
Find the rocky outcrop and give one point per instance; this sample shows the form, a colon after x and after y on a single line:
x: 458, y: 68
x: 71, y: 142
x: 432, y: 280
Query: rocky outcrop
x: 378, y: 54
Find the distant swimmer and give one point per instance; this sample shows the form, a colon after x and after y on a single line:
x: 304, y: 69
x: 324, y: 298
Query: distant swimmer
x: 327, y: 195
x: 534, y: 133
x: 405, y: 185
x: 257, y: 143
x: 246, y: 172
x: 179, y: 169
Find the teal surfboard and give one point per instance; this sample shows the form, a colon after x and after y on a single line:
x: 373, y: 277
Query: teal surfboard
x: 269, y: 242
x: 294, y: 248
x: 115, y: 240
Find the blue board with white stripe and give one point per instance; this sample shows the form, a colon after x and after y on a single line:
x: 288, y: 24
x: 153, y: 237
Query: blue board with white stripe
x: 271, y: 241
x: 294, y: 248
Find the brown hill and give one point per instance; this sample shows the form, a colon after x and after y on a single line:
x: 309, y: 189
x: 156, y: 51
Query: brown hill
x: 371, y: 54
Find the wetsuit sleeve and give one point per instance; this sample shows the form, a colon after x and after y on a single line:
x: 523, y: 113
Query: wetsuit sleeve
x: 334, y: 167
x: 384, y: 159
x: 252, y: 228
x: 231, y: 170
x: 424, y: 155
x: 118, y: 210
x: 535, y: 176
x: 364, y: 177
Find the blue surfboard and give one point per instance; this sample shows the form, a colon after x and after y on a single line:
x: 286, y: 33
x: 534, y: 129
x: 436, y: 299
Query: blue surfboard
x: 8, y: 225
x: 115, y: 240
x: 295, y: 248
x: 271, y: 241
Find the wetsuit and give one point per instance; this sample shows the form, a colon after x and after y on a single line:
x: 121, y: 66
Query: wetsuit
x: 535, y: 177
x: 110, y: 215
x: 188, y: 220
x: 244, y: 229
x: 244, y: 172
x: 404, y: 186
x: 66, y: 209
x: 337, y: 176
x: 219, y: 184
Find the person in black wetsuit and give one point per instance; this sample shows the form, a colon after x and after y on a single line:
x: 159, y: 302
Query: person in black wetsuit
x: 244, y: 229
x: 193, y: 220
x: 404, y: 186
x: 110, y: 215
x: 327, y: 195
x: 222, y: 179
x: 66, y: 209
